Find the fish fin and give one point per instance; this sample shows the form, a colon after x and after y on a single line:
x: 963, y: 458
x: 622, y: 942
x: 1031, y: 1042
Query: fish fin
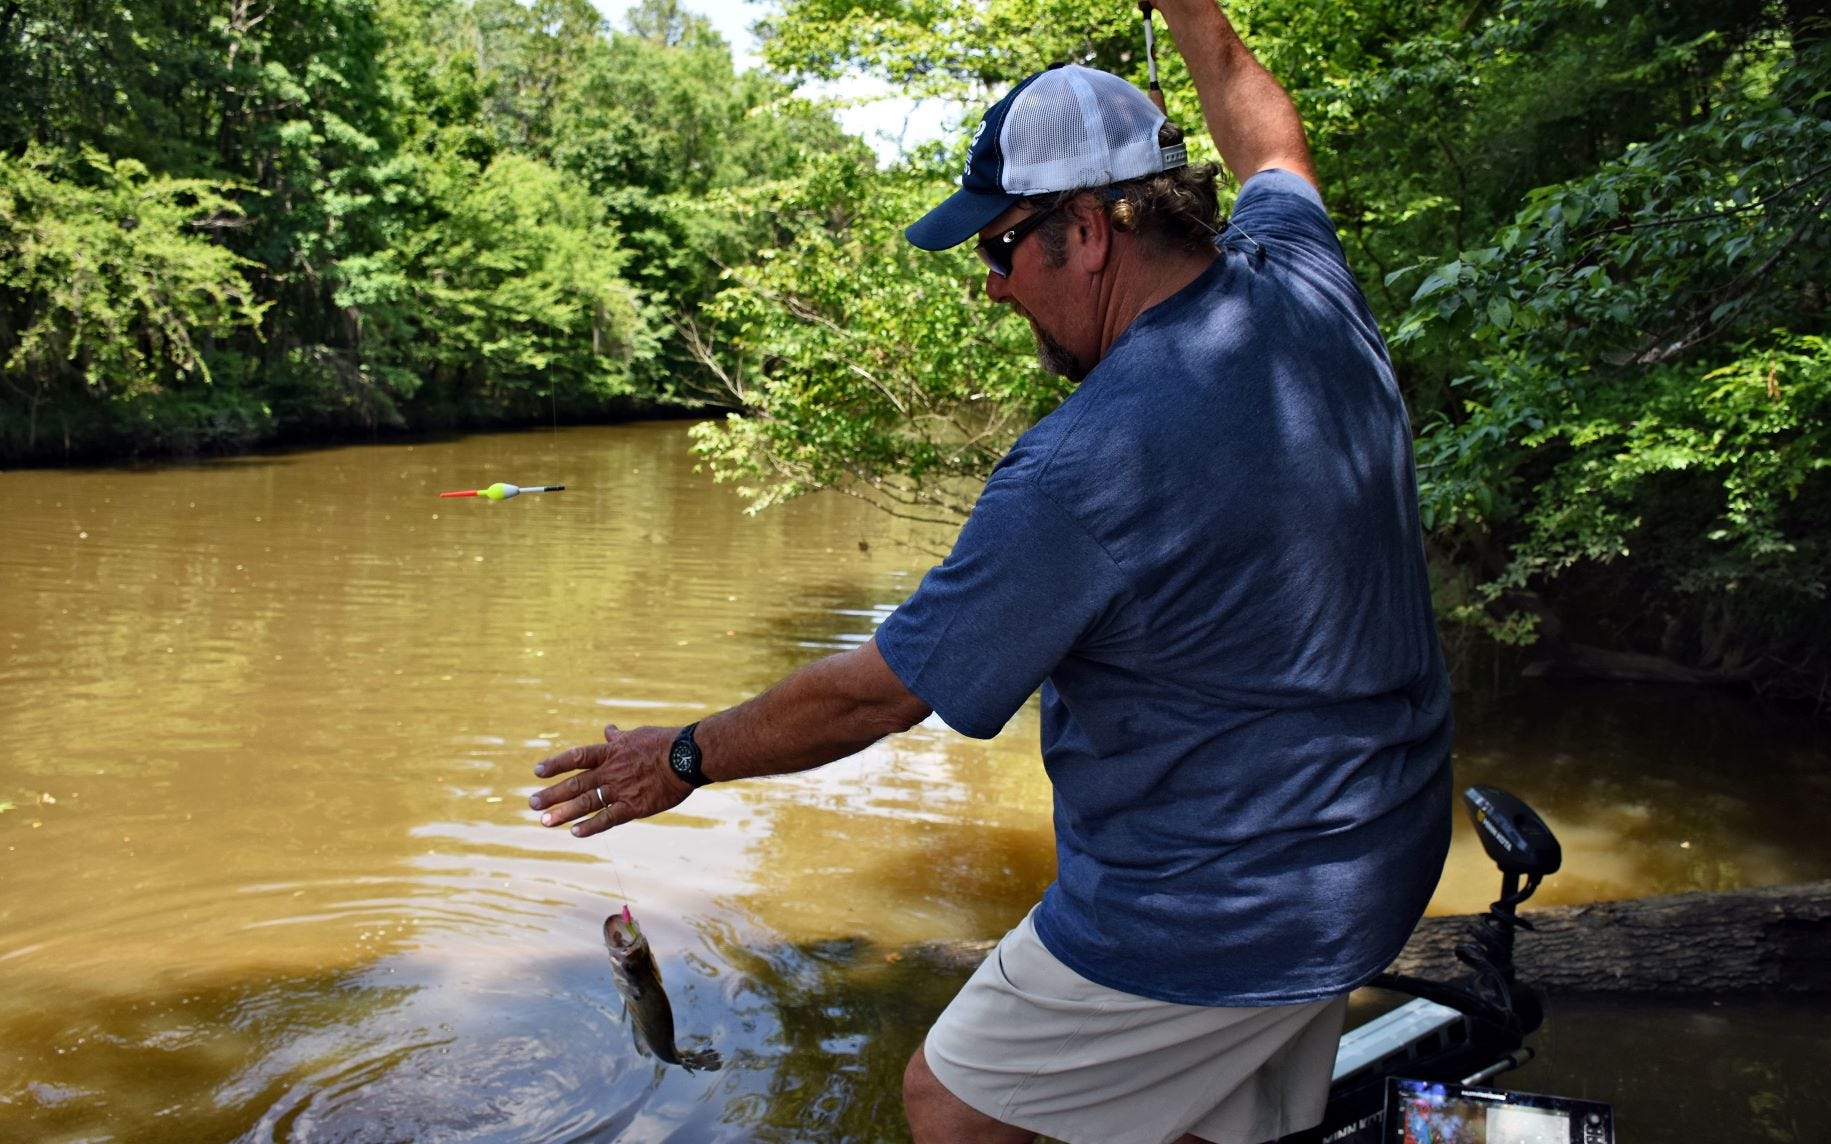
x: 636, y: 1036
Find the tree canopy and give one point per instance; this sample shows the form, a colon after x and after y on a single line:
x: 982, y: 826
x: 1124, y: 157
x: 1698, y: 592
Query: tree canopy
x: 228, y: 223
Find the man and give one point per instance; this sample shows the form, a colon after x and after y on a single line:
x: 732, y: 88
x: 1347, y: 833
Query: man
x: 1209, y: 560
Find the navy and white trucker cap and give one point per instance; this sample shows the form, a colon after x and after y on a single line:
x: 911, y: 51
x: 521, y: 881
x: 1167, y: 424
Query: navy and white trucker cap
x: 1066, y: 129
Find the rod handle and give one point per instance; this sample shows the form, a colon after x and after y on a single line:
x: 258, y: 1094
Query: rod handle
x: 1155, y: 91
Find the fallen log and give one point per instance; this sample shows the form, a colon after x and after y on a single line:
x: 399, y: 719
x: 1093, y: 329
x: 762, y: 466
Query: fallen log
x: 1769, y: 940
x: 1581, y: 661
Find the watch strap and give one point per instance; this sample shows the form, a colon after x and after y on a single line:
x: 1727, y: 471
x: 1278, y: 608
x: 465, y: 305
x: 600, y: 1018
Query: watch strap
x: 684, y: 758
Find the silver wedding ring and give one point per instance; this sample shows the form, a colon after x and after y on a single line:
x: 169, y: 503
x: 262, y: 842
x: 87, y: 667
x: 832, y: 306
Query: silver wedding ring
x: 603, y: 803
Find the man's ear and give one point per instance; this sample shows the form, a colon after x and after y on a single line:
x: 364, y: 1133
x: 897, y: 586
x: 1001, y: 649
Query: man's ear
x: 1092, y: 231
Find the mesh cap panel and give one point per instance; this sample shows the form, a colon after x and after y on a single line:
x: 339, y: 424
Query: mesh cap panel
x: 1075, y: 128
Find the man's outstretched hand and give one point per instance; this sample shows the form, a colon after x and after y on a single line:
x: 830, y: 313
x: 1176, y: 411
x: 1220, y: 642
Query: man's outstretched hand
x: 624, y: 778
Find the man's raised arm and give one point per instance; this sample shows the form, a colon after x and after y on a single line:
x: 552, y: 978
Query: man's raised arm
x: 1253, y: 121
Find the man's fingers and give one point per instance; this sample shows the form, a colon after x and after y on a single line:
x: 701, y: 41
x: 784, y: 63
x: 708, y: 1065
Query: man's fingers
x: 574, y: 798
x: 598, y: 819
x: 571, y: 759
x: 601, y: 821
x: 572, y: 786
x: 588, y: 796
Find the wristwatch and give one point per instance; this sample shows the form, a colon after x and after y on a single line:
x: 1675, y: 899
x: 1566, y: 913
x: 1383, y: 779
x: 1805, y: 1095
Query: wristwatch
x: 684, y: 758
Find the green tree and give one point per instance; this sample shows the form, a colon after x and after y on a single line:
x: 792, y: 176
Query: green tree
x: 650, y: 121
x: 520, y: 293
x: 863, y: 364
x: 659, y: 124
x: 1641, y: 440
x: 116, y: 289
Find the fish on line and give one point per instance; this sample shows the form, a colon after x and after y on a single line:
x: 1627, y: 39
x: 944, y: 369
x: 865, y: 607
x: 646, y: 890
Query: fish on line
x: 638, y: 978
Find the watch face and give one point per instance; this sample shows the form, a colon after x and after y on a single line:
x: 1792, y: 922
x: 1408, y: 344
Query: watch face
x: 680, y: 757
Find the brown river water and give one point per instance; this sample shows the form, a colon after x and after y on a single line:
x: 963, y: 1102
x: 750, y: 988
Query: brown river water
x: 267, y: 731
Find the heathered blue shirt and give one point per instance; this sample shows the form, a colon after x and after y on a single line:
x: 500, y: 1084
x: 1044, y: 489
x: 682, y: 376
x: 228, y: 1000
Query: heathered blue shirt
x: 1209, y: 559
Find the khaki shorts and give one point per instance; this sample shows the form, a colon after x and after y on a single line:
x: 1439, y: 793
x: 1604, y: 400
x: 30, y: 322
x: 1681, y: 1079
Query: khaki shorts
x: 1032, y: 1043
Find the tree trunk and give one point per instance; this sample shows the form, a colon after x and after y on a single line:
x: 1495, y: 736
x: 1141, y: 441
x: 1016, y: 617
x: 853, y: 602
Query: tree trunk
x: 1581, y: 661
x: 1772, y: 940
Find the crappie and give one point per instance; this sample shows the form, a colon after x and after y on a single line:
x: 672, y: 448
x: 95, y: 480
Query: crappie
x: 632, y: 965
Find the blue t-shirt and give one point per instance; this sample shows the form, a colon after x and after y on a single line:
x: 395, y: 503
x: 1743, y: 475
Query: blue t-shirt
x: 1209, y: 559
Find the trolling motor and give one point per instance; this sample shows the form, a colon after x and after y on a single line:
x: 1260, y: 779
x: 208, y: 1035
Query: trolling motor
x: 1436, y: 1068
x: 1520, y: 843
x: 1459, y: 1033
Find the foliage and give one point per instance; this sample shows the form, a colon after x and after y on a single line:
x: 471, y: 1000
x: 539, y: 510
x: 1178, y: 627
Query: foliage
x: 1648, y: 385
x: 1431, y: 125
x: 408, y: 212
x: 520, y: 281
x: 649, y: 122
x: 865, y: 364
x: 950, y: 49
x: 117, y: 280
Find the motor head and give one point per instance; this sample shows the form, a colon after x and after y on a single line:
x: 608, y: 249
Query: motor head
x: 1512, y: 833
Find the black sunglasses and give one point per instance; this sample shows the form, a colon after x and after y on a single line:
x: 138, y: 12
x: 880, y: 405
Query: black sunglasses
x: 996, y: 252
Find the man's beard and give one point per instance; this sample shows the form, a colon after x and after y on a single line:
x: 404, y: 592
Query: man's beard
x: 1055, y: 357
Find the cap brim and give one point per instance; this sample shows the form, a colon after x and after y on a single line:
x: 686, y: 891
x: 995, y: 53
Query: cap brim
x: 960, y: 216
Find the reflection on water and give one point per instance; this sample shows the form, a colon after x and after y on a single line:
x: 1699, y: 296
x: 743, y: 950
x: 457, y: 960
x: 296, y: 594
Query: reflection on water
x: 845, y: 1023
x: 267, y: 729
x: 1748, y: 1072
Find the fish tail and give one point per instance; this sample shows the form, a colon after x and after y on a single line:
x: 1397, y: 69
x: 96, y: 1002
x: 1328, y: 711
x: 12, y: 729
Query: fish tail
x: 694, y: 1060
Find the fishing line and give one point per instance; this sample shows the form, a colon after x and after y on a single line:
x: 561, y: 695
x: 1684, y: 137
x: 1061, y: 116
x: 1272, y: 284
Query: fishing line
x: 611, y: 858
x: 618, y: 875
x: 604, y: 808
